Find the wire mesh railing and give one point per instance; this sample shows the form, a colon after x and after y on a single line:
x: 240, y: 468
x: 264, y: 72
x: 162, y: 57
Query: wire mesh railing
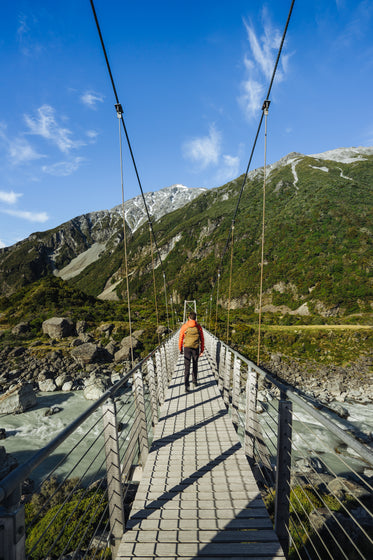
x: 316, y: 479
x: 80, y: 507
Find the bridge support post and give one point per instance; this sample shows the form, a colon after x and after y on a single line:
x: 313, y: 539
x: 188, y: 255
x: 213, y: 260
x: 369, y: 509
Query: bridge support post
x: 250, y: 413
x: 153, y: 391
x: 12, y: 528
x: 160, y: 376
x: 227, y: 377
x: 138, y: 389
x: 283, y: 472
x: 113, y: 473
x: 236, y: 390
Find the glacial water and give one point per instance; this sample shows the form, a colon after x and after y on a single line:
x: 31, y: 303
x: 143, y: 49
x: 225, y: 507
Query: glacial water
x: 32, y: 430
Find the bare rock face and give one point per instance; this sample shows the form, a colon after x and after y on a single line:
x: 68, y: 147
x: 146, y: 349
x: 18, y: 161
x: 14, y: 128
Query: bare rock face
x: 58, y: 327
x: 18, y: 399
x: 124, y: 354
x: 90, y: 353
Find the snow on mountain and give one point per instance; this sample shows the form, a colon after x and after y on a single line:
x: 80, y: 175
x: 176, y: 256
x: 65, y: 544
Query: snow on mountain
x: 159, y: 204
x: 345, y: 155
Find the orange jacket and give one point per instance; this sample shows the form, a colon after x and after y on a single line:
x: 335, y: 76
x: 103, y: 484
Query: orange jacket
x: 191, y: 323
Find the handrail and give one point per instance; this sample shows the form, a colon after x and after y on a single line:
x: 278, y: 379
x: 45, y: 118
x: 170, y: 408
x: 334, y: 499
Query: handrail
x: 10, y: 482
x: 364, y: 451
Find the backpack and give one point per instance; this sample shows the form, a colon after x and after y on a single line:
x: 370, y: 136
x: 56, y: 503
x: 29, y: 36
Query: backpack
x: 191, y: 337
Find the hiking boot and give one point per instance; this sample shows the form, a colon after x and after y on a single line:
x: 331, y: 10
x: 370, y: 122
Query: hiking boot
x: 187, y: 388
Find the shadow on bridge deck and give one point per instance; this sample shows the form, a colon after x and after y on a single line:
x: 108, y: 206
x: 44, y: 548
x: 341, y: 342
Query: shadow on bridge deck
x: 198, y: 497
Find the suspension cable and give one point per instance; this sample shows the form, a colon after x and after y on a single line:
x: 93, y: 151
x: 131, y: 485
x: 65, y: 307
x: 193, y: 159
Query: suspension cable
x: 126, y: 134
x: 154, y: 284
x: 230, y: 281
x: 265, y: 109
x: 217, y: 300
x: 255, y: 142
x: 119, y: 114
x: 165, y: 297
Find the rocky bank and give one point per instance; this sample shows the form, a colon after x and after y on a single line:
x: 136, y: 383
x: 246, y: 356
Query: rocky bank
x: 73, y: 359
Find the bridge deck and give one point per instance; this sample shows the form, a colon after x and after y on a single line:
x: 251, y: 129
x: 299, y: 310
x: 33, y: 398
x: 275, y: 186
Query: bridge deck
x: 198, y: 497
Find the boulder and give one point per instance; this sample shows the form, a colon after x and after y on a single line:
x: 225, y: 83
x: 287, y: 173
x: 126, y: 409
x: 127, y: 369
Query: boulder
x: 58, y: 327
x: 124, y: 353
x: 18, y: 399
x: 21, y: 328
x: 67, y: 386
x: 47, y: 386
x: 2, y: 433
x: 89, y: 353
x: 52, y: 410
x: 95, y: 387
x: 81, y: 326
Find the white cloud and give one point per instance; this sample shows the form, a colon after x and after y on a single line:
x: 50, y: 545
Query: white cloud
x: 205, y: 150
x: 2, y: 244
x: 91, y: 99
x: 30, y: 216
x: 45, y: 125
x: 63, y: 168
x: 252, y: 97
x: 92, y: 135
x: 9, y: 197
x: 21, y: 151
x: 229, y: 169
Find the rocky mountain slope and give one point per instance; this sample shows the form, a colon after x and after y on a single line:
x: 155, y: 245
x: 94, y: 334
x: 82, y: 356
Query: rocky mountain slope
x: 66, y: 250
x: 318, y: 241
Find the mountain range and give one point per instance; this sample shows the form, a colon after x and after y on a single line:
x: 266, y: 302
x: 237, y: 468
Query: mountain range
x: 318, y: 251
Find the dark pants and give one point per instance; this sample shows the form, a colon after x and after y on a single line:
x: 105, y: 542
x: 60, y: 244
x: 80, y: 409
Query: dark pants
x: 190, y: 354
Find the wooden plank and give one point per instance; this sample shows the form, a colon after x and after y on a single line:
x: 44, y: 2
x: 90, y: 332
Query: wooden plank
x: 198, y: 497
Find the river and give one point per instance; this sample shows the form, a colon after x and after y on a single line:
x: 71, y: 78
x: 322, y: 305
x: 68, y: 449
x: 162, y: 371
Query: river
x: 28, y: 432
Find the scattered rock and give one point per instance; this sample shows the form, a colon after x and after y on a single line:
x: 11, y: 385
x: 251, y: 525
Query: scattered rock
x: 58, y: 327
x: 21, y: 328
x: 18, y: 399
x: 89, y: 353
x: 95, y: 387
x: 340, y: 410
x: 47, y: 386
x: 52, y: 410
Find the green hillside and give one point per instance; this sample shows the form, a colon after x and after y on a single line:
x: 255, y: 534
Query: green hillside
x: 318, y: 243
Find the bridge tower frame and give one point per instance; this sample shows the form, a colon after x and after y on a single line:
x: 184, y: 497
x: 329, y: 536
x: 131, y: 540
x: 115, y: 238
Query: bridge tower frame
x: 189, y: 305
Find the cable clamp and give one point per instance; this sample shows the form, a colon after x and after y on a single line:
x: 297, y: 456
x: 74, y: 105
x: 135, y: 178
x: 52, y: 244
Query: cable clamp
x: 266, y: 105
x: 119, y: 110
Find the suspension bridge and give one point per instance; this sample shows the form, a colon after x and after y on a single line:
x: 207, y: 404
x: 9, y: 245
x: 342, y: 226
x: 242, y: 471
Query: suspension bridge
x: 209, y: 458
x: 236, y: 468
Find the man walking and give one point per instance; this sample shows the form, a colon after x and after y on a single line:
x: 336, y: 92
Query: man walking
x: 192, y: 342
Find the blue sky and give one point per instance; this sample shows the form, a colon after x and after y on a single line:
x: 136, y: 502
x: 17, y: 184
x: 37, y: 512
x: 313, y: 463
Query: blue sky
x: 191, y: 76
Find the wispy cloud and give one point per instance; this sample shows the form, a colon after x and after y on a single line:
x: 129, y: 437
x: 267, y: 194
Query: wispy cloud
x: 259, y: 64
x: 205, y: 150
x: 92, y: 135
x: 229, y: 169
x: 91, y: 98
x: 29, y: 46
x: 9, y: 197
x: 63, y: 168
x: 19, y: 149
x: 45, y: 124
x: 26, y: 215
